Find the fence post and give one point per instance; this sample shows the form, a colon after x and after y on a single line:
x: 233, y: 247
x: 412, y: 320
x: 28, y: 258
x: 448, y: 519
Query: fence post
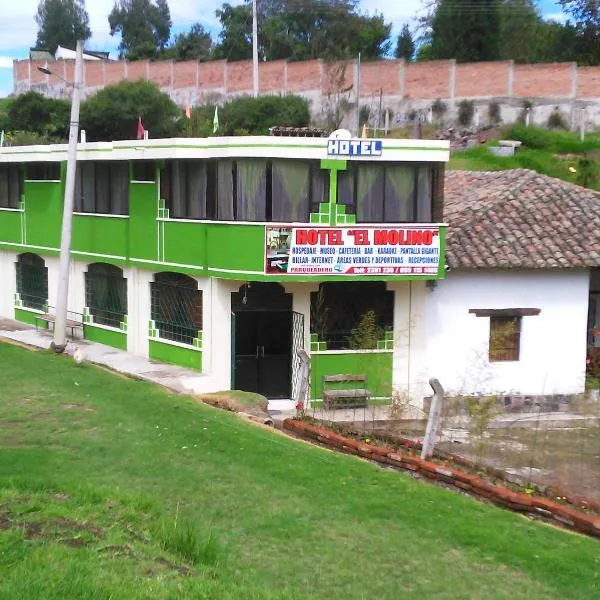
x: 434, y: 418
x: 304, y: 378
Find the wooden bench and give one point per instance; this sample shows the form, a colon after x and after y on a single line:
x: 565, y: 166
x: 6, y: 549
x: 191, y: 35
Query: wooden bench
x: 355, y: 396
x: 73, y: 323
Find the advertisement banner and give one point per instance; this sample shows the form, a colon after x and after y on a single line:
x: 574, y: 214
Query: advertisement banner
x: 357, y: 250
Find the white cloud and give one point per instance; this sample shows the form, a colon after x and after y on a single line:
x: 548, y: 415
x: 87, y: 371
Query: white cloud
x: 559, y: 17
x: 6, y: 62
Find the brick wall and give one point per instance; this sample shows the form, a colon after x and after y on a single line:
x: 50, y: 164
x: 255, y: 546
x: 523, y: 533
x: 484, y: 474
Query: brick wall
x: 403, y: 85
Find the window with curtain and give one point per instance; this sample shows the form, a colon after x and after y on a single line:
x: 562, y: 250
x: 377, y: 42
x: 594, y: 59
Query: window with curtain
x: 176, y: 307
x: 32, y: 281
x: 106, y: 294
x: 42, y: 171
x: 319, y: 186
x: 251, y: 190
x: 183, y: 187
x: 291, y: 190
x: 143, y: 170
x: 370, y: 193
x: 225, y: 209
x: 102, y: 187
x: 11, y: 186
x: 400, y: 184
x: 345, y: 189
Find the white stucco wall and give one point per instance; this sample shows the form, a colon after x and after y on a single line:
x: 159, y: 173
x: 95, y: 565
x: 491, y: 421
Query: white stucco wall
x: 8, y: 284
x: 553, y: 344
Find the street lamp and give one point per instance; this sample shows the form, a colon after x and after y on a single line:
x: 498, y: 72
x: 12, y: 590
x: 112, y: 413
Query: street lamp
x: 60, y: 330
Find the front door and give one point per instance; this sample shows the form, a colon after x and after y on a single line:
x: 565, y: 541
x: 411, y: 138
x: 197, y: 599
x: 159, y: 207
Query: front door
x: 262, y: 340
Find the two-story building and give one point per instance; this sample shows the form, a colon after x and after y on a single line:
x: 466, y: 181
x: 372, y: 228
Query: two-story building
x: 227, y: 254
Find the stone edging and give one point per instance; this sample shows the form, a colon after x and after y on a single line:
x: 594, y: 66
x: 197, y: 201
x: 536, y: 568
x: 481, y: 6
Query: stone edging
x: 517, y: 501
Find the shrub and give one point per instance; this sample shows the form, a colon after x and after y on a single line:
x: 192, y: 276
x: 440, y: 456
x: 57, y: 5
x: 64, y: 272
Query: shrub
x: 494, y: 113
x: 184, y: 539
x: 438, y: 108
x: 35, y: 113
x: 466, y: 110
x: 252, y: 116
x: 367, y: 333
x: 112, y: 113
x: 556, y: 120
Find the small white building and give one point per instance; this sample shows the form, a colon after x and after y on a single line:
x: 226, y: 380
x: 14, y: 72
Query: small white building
x: 515, y: 312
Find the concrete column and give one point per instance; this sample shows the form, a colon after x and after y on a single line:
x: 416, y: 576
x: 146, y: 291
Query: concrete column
x: 401, y: 90
x: 8, y: 276
x: 220, y: 331
x: 511, y: 78
x: 452, y: 76
x: 574, y: 73
x: 409, y: 362
x: 285, y: 76
x: 225, y: 77
x: 138, y: 309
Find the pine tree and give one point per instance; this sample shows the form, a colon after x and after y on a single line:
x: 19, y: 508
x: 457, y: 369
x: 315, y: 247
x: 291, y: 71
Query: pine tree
x: 405, y: 47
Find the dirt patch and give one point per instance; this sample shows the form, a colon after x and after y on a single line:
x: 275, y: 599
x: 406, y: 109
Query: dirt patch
x: 117, y: 550
x: 69, y: 524
x: 80, y: 407
x: 181, y: 569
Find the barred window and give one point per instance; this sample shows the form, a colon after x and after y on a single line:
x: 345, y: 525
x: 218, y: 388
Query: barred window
x: 176, y: 307
x: 11, y: 186
x: 102, y: 187
x: 32, y: 281
x: 106, y: 294
x: 351, y: 315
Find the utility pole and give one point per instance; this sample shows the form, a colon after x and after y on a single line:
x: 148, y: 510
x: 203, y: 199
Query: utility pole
x: 60, y: 331
x: 254, y: 50
x: 358, y: 97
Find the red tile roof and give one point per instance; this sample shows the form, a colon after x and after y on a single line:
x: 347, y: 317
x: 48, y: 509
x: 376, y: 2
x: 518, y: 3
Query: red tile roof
x: 520, y: 219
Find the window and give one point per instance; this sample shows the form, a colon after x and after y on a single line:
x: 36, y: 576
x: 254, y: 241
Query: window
x: 246, y: 189
x: 42, y: 171
x: 387, y: 193
x: 102, y: 187
x: 11, y: 186
x: 351, y: 315
x: 184, y: 187
x: 32, y: 281
x: 143, y: 170
x: 505, y: 331
x: 106, y: 294
x: 505, y: 338
x: 176, y: 307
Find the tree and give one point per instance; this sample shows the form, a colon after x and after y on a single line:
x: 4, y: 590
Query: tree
x: 144, y: 25
x: 405, y: 46
x: 235, y: 39
x: 196, y: 44
x: 520, y: 30
x: 112, y: 113
x: 47, y: 117
x: 586, y: 14
x: 301, y: 30
x: 61, y: 22
x: 465, y: 30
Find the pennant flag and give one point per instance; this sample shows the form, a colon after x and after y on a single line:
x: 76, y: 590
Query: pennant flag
x: 364, y: 133
x: 140, y: 129
x: 188, y: 110
x: 216, y: 120
x: 2, y: 138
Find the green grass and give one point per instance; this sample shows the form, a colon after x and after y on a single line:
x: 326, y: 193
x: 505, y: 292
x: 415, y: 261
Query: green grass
x: 547, y: 152
x: 171, y: 499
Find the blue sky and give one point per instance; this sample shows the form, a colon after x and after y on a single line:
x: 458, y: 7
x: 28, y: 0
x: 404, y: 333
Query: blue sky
x: 18, y: 29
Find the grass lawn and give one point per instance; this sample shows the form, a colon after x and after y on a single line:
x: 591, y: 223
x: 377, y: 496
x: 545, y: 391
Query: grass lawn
x: 114, y: 488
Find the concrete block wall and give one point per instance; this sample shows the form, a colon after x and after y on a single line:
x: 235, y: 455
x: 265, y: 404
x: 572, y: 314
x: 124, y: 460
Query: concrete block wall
x: 404, y: 87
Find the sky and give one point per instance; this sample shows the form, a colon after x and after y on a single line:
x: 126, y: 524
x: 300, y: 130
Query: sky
x: 18, y: 29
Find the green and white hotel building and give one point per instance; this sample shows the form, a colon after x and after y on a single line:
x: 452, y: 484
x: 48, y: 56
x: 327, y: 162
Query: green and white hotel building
x: 226, y: 255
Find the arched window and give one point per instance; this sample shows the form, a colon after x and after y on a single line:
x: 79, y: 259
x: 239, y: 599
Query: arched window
x: 106, y: 294
x: 176, y: 307
x: 32, y: 281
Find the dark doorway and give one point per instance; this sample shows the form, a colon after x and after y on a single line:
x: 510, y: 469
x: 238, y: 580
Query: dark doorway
x: 262, y: 344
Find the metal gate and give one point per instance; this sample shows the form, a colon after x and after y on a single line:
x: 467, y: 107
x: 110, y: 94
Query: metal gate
x: 297, y: 344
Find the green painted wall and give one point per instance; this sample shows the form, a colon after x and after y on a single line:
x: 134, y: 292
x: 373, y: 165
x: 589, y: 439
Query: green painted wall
x: 143, y: 227
x: 234, y: 247
x: 176, y: 355
x: 377, y: 366
x: 116, y: 339
x: 10, y: 228
x: 43, y: 213
x: 26, y: 316
x: 100, y: 235
x: 184, y: 243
